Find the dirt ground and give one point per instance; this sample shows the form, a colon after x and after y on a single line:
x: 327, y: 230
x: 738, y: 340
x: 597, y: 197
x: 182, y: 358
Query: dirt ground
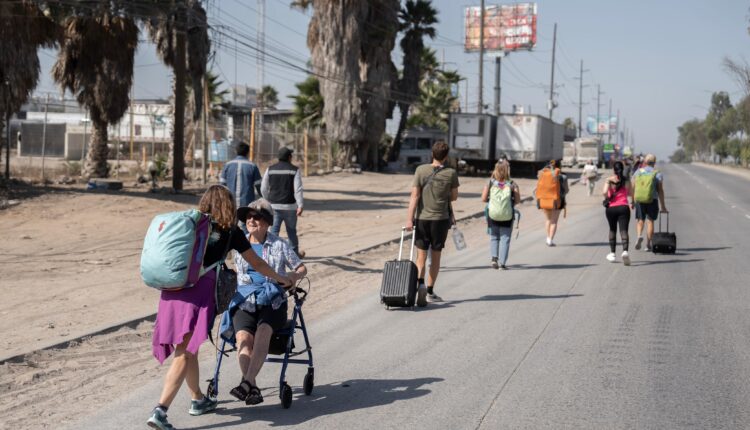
x: 69, y: 267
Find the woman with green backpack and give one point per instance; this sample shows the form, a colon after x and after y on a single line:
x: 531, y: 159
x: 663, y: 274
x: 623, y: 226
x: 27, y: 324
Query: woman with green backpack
x: 500, y: 194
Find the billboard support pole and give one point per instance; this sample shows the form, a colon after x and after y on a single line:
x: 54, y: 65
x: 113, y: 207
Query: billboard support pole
x: 481, y: 57
x: 552, y: 78
x: 498, y: 71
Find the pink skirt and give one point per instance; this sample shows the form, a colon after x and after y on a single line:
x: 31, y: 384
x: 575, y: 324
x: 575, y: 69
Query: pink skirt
x: 182, y: 312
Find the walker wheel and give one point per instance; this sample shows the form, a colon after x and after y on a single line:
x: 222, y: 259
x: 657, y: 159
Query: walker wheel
x: 211, y: 390
x: 309, y: 382
x: 286, y: 396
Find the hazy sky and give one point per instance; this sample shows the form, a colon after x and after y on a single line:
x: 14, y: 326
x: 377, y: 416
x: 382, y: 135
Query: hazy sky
x: 657, y: 60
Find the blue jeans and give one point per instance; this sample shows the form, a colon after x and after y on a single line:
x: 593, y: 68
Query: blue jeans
x: 288, y: 217
x: 500, y: 242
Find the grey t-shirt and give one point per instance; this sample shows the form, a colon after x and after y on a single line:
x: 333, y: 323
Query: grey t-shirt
x: 436, y: 196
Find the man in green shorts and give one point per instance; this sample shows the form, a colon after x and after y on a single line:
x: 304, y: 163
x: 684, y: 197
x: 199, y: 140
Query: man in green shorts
x: 435, y: 186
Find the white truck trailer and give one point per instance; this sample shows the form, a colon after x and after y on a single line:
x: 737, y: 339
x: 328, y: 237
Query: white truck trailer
x: 589, y: 149
x: 569, y: 154
x: 471, y: 139
x: 529, y: 140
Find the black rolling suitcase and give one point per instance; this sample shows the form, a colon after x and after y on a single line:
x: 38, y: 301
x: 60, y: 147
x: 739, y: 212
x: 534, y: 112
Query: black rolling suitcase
x: 399, y: 287
x: 664, y: 242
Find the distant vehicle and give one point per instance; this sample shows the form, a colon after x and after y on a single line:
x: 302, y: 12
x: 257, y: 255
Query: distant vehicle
x: 569, y: 154
x: 472, y: 139
x: 416, y: 147
x: 588, y: 149
x: 529, y: 141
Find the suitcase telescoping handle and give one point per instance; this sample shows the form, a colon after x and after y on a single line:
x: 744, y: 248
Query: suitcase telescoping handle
x: 401, y: 244
x: 667, y: 215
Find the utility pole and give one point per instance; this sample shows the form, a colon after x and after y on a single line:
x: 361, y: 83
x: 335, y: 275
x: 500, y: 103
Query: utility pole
x: 599, y: 93
x: 580, y: 100
x: 7, y: 146
x: 498, y: 71
x: 205, y: 127
x: 466, y: 95
x: 552, y: 77
x: 44, y: 134
x: 178, y: 164
x: 481, y: 58
x: 132, y: 125
x: 609, y: 119
x: 261, y: 43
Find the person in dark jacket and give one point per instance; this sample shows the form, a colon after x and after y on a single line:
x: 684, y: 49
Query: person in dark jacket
x: 282, y: 186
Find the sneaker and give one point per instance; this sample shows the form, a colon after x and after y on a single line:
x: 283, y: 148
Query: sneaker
x: 504, y: 267
x: 159, y: 421
x: 625, y: 258
x: 421, y: 295
x: 638, y: 244
x: 202, y: 406
x: 434, y: 298
x: 549, y: 242
x: 648, y: 247
x: 494, y: 263
x: 611, y: 257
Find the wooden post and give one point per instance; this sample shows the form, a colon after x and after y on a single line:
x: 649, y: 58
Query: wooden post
x: 132, y: 126
x: 305, y: 141
x: 205, y: 128
x: 252, y: 135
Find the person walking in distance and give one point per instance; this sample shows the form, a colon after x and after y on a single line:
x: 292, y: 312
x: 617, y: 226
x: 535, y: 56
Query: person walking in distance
x: 501, y: 194
x: 241, y: 176
x: 435, y: 186
x: 590, y: 173
x: 616, y: 191
x: 282, y: 186
x: 551, y: 187
x: 648, y: 193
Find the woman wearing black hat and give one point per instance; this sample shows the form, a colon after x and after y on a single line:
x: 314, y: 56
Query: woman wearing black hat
x: 264, y: 308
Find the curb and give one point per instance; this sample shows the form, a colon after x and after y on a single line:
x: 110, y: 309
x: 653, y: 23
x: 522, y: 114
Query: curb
x: 67, y: 343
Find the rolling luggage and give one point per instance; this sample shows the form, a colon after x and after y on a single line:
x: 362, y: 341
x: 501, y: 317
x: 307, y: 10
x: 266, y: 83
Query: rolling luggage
x: 664, y: 242
x: 399, y: 287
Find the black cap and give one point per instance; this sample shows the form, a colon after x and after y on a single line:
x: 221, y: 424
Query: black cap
x: 284, y: 153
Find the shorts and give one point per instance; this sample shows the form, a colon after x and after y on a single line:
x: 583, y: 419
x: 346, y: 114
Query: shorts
x: 431, y: 234
x: 647, y: 210
x: 276, y: 318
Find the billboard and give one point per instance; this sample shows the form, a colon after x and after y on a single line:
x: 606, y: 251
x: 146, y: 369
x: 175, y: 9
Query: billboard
x: 603, y: 126
x: 506, y: 27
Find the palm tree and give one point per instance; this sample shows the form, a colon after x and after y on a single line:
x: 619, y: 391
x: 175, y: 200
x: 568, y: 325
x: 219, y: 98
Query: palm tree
x: 19, y: 62
x: 308, y: 104
x: 417, y: 20
x: 179, y: 28
x: 96, y: 73
x: 216, y: 98
x: 351, y: 43
x: 268, y: 97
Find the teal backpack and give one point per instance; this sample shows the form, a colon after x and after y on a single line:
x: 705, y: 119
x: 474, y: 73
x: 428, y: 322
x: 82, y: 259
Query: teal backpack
x: 173, y: 250
x: 501, y: 202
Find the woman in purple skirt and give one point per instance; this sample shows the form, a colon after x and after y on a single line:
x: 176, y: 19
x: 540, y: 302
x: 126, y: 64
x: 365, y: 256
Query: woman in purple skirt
x: 185, y: 316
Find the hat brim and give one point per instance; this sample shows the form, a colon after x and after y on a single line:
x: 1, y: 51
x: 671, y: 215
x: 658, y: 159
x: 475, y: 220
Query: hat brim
x: 244, y: 212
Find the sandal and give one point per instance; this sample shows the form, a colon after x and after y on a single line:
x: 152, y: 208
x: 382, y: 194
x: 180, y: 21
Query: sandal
x: 253, y: 396
x: 241, y: 391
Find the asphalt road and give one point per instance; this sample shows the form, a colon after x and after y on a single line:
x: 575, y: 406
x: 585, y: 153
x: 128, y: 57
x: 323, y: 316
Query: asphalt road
x: 562, y: 340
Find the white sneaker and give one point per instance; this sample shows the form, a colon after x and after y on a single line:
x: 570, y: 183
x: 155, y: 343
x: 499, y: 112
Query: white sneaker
x: 625, y: 258
x: 638, y: 244
x: 611, y: 257
x: 549, y: 242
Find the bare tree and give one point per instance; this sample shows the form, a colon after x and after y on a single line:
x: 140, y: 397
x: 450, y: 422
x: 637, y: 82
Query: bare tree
x: 739, y: 70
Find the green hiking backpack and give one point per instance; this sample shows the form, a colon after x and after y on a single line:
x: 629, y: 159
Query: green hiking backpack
x: 645, y: 183
x: 501, y: 204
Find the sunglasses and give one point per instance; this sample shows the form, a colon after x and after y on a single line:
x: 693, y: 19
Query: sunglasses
x: 256, y: 217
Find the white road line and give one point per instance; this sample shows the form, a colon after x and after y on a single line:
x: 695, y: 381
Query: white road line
x: 747, y: 216
x: 695, y: 178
